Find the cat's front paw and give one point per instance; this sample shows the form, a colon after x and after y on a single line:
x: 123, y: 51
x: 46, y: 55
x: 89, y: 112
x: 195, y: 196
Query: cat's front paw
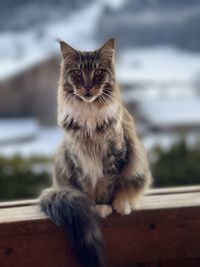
x: 121, y: 206
x: 103, y: 210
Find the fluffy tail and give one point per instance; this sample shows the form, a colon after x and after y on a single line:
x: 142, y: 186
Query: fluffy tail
x: 72, y: 210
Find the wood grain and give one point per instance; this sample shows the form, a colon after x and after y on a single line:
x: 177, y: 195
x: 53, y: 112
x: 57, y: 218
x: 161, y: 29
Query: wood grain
x: 164, y: 232
x: 181, y: 263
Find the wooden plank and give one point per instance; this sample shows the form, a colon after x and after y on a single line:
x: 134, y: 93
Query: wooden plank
x: 18, y: 203
x: 150, y: 264
x: 167, y: 227
x: 174, y: 190
x: 181, y: 263
x: 155, y: 191
x: 149, y: 203
x: 146, y: 264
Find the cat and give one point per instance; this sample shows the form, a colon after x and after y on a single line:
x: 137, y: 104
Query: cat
x: 100, y: 166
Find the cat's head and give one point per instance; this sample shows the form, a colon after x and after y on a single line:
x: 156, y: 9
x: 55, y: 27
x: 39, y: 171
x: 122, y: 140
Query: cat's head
x: 88, y: 76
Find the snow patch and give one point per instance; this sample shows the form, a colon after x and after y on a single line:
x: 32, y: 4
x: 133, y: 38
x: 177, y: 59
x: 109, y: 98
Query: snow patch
x: 158, y: 64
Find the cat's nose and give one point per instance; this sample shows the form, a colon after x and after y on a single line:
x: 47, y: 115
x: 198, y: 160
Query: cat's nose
x: 88, y: 87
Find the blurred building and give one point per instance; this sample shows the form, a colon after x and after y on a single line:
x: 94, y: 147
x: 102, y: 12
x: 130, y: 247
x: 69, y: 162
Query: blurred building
x: 31, y: 92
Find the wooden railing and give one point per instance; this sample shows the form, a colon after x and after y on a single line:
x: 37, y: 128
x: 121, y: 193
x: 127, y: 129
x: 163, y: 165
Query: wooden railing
x: 165, y: 232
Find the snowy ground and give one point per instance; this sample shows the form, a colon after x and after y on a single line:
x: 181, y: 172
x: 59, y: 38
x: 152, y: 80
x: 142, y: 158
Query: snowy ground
x: 153, y: 93
x: 16, y: 130
x: 158, y: 64
x: 166, y: 140
x: 171, y: 113
x: 44, y: 144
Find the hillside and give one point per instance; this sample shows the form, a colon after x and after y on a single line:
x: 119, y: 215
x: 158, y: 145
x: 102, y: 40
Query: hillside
x: 153, y: 22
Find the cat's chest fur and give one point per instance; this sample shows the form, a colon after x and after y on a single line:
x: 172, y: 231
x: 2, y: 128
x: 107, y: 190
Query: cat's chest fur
x: 88, y: 158
x: 87, y: 115
x: 91, y: 167
x: 89, y: 149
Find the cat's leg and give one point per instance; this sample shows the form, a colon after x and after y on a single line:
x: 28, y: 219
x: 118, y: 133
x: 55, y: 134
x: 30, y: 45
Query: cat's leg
x: 134, y: 179
x: 103, y: 210
x: 126, y: 197
x: 129, y: 191
x: 139, y: 185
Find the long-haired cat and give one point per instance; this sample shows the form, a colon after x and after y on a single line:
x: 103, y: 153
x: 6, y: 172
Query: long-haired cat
x: 101, y: 166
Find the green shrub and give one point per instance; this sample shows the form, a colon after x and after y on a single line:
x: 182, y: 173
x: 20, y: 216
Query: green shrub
x: 23, y: 178
x: 180, y: 165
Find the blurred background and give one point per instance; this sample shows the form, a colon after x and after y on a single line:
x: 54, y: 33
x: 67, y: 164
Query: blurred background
x: 158, y: 68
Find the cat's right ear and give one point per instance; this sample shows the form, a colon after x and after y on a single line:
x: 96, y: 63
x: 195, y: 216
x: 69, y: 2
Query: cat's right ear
x: 68, y: 52
x: 108, y: 49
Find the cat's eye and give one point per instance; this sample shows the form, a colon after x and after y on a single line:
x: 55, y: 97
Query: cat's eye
x: 98, y: 72
x: 77, y: 72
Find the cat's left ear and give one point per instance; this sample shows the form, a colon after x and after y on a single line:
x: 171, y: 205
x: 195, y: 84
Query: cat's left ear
x: 108, y: 49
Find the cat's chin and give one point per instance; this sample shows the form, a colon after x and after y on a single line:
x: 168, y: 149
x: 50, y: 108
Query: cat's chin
x: 89, y: 99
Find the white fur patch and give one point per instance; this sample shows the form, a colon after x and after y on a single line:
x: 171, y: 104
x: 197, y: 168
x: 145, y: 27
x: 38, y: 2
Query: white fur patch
x: 91, y: 168
x: 103, y: 210
x: 87, y: 115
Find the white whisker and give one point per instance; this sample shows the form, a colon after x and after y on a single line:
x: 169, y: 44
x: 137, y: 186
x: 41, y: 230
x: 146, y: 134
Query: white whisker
x: 111, y: 98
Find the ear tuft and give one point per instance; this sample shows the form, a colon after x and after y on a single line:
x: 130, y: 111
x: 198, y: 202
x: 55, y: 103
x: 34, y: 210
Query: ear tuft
x: 108, y: 49
x: 109, y: 45
x: 67, y: 51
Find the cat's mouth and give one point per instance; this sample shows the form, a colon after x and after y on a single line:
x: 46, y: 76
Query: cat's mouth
x: 88, y: 97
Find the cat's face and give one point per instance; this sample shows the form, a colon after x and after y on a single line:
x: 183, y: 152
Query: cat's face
x: 88, y: 76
